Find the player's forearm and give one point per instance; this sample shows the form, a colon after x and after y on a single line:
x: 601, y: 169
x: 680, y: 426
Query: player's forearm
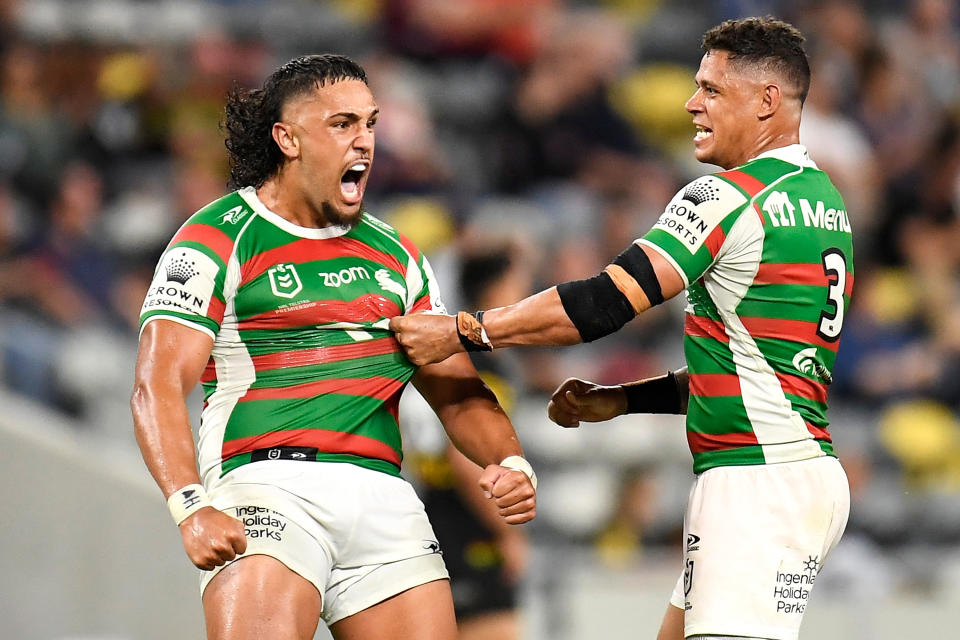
x: 468, y: 410
x: 478, y: 427
x: 162, y: 427
x: 537, y: 320
x: 668, y: 393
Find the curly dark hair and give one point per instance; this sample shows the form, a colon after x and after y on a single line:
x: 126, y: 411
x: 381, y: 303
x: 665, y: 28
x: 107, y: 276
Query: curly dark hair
x: 766, y: 42
x: 250, y: 114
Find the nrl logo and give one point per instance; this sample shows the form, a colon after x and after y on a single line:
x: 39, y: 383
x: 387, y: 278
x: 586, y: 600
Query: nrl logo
x: 233, y: 216
x: 284, y: 280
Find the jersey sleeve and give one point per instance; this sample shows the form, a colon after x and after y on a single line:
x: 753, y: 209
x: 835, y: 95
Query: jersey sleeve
x: 188, y: 283
x: 423, y: 292
x: 692, y: 228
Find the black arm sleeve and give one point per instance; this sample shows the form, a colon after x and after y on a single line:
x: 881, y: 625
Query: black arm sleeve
x: 595, y: 306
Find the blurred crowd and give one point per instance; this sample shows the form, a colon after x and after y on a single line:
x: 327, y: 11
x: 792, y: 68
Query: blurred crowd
x: 520, y: 144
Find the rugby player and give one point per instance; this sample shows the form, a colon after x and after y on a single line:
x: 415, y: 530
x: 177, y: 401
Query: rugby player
x: 277, y: 298
x: 764, y: 252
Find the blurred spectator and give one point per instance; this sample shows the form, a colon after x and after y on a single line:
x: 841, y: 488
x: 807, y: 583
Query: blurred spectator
x: 549, y: 130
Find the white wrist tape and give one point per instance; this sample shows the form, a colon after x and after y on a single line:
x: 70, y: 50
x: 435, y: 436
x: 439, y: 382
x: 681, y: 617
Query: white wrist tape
x: 519, y: 463
x: 186, y: 501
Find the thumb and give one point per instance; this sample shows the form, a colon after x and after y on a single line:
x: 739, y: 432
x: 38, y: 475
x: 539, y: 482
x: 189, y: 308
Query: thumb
x: 395, y: 323
x: 489, y: 477
x: 575, y: 397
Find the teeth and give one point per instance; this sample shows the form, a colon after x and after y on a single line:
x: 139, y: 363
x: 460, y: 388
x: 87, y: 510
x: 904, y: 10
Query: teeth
x: 358, y: 167
x: 702, y: 133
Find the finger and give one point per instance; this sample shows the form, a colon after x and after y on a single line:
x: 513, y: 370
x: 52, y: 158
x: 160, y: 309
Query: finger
x: 224, y: 552
x: 512, y: 482
x: 562, y: 416
x: 521, y: 517
x: 396, y: 324
x: 240, y: 543
x: 519, y: 508
x: 561, y: 409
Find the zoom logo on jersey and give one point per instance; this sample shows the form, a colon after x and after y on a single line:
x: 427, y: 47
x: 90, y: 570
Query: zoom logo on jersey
x: 183, y: 282
x: 337, y: 279
x: 284, y: 280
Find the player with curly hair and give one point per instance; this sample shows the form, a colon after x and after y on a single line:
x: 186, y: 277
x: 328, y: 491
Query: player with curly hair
x: 277, y: 299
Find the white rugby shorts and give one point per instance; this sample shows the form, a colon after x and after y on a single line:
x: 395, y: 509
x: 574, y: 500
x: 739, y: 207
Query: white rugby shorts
x: 755, y: 538
x: 360, y: 536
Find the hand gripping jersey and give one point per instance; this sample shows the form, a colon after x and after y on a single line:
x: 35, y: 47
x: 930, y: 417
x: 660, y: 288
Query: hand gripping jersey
x: 303, y: 365
x: 767, y: 254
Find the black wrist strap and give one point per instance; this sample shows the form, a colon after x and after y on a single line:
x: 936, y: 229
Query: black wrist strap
x: 654, y: 395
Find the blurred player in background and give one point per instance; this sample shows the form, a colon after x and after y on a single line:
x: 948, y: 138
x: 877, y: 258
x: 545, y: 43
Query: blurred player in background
x: 764, y: 251
x: 486, y: 557
x: 277, y: 298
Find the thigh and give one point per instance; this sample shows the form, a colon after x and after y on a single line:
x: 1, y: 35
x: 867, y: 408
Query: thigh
x: 501, y: 625
x: 259, y: 597
x: 672, y: 626
x: 424, y: 612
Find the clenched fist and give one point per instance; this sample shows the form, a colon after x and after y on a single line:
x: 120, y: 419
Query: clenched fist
x: 576, y: 400
x: 427, y: 337
x: 512, y: 491
x: 211, y: 538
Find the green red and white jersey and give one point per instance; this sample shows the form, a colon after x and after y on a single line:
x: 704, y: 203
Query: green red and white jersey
x: 766, y: 252
x: 303, y: 364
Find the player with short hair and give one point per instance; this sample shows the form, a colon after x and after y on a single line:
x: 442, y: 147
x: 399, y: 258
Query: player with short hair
x: 764, y: 252
x: 277, y: 298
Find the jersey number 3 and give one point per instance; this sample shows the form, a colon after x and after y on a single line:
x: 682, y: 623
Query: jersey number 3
x: 831, y: 320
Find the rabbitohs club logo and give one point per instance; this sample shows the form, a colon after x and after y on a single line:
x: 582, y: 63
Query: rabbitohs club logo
x: 806, y: 361
x: 284, y: 280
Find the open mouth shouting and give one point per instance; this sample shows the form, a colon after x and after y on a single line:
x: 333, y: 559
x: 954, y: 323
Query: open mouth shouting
x: 703, y: 134
x: 353, y: 180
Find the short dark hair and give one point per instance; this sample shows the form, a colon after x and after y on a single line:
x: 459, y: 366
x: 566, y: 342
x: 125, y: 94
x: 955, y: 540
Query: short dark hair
x: 765, y: 42
x: 250, y: 114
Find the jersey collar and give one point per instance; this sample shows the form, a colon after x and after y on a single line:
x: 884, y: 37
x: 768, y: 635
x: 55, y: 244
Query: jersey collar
x: 792, y: 153
x: 249, y: 194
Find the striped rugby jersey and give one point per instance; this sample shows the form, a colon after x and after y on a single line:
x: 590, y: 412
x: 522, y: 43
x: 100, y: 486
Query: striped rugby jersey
x: 766, y: 252
x: 303, y: 365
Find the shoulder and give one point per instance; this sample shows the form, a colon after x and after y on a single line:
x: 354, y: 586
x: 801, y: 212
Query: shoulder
x: 216, y: 227
x: 379, y: 234
x: 227, y: 213
x: 705, y: 202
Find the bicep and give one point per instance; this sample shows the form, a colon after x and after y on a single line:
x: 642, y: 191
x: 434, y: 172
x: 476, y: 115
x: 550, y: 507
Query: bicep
x: 171, y: 352
x: 671, y: 282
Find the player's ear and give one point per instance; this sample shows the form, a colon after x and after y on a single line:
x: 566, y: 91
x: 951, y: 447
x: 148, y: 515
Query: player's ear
x: 770, y: 100
x: 285, y: 137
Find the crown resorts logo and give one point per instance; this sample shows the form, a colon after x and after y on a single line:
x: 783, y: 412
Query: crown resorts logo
x: 181, y: 269
x: 700, y: 192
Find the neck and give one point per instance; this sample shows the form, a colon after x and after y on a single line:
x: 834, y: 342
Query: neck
x: 281, y: 195
x: 767, y: 142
